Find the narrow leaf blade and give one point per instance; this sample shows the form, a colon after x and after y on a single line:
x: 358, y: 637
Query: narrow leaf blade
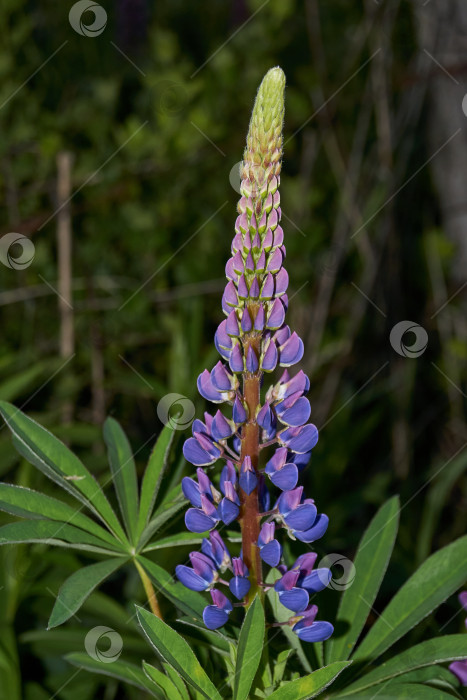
x: 121, y: 670
x: 174, y: 649
x: 123, y: 468
x: 78, y: 587
x: 161, y: 680
x: 312, y: 685
x: 250, y: 648
x: 153, y: 475
x: 435, y: 580
x: 370, y: 563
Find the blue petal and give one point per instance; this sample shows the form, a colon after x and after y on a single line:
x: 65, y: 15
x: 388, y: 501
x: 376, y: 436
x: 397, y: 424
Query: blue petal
x: 248, y: 482
x: 302, y: 517
x: 317, y: 632
x: 297, y: 599
x: 314, y: 533
x: 285, y: 478
x: 239, y: 586
x: 197, y: 521
x: 303, y: 441
x: 317, y: 581
x: 228, y: 511
x: 297, y: 414
x: 214, y: 617
x: 194, y: 453
x: 206, y: 388
x: 271, y: 553
x: 190, y: 579
x: 191, y: 491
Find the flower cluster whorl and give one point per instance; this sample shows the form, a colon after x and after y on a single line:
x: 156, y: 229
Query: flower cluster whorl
x: 252, y: 340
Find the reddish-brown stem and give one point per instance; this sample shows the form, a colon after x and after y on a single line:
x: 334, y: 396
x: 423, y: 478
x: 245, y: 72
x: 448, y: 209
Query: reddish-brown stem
x: 249, y: 513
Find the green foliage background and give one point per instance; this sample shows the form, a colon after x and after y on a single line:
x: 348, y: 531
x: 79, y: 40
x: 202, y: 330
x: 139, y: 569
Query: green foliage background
x: 154, y: 136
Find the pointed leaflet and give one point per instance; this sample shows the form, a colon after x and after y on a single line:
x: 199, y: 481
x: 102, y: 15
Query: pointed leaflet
x: 162, y: 681
x: 163, y: 514
x: 78, y: 587
x: 250, y: 649
x: 439, y: 650
x: 310, y: 686
x: 435, y: 580
x: 371, y: 561
x: 49, y: 532
x: 177, y: 681
x: 121, y: 670
x: 153, y: 475
x: 56, y: 461
x: 123, y: 468
x: 173, y: 649
x: 27, y: 503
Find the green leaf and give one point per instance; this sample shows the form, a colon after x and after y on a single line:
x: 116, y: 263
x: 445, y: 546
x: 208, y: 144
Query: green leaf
x: 174, y: 649
x: 57, y: 462
x: 121, y: 670
x: 190, y: 602
x: 27, y: 503
x: 370, y: 562
x: 162, y: 681
x: 78, y: 587
x: 433, y: 651
x: 47, y: 531
x: 396, y: 691
x: 434, y: 581
x: 311, y: 685
x: 179, y: 540
x: 153, y: 475
x: 177, y: 681
x: 123, y: 468
x: 162, y: 515
x: 250, y: 649
x: 280, y: 665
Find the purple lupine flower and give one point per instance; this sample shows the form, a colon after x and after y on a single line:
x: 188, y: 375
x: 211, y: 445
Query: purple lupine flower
x: 269, y: 547
x: 253, y: 340
x: 216, y: 615
x: 459, y: 668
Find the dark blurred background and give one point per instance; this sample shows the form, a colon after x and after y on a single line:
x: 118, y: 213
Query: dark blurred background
x: 119, y: 151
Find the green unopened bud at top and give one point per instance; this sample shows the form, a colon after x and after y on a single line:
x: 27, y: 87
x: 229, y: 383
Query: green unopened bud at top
x: 262, y: 156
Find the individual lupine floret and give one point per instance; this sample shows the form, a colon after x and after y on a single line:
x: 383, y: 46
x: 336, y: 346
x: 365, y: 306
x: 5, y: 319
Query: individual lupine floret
x: 201, y: 576
x: 269, y: 547
x: 309, y: 630
x: 214, y: 548
x: 216, y: 615
x: 283, y: 474
x: 239, y: 585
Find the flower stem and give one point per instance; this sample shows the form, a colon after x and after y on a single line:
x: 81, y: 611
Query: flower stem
x: 249, y: 513
x: 149, y: 590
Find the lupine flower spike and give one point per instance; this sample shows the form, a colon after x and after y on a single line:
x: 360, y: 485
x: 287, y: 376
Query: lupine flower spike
x: 254, y: 340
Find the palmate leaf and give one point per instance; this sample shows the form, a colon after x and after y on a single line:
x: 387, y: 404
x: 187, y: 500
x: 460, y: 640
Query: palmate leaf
x: 435, y: 580
x: 123, y: 468
x: 152, y: 477
x: 78, y: 587
x: 57, y: 462
x: 371, y: 561
x: 174, y: 649
x: 433, y: 651
x: 121, y: 670
x: 311, y: 685
x: 249, y: 650
x: 26, y: 503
